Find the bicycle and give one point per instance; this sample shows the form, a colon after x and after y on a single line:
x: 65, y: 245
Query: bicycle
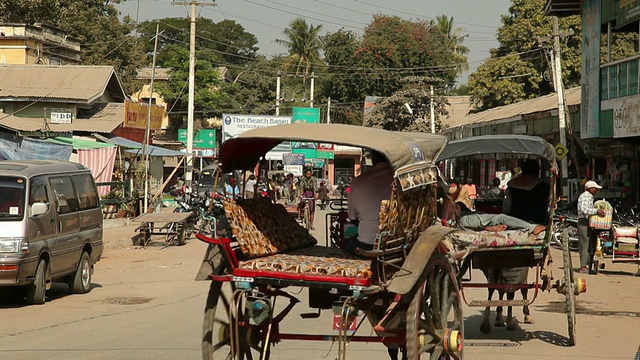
x: 306, y: 212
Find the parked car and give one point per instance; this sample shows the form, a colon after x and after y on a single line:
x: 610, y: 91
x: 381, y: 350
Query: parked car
x: 207, y: 179
x: 51, y: 226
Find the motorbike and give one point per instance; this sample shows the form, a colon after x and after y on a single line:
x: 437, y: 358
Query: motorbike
x: 565, y: 217
x: 194, y: 203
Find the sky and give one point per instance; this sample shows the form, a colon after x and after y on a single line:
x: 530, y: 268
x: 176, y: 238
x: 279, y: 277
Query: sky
x: 267, y: 19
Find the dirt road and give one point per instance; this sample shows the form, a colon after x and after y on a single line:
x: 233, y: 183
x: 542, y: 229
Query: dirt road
x: 145, y: 305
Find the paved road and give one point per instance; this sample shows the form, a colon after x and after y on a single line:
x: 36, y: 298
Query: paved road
x: 146, y: 305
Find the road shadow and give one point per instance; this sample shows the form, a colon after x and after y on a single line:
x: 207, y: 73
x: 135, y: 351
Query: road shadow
x: 14, y: 297
x: 506, y: 338
x: 616, y: 273
x: 559, y: 307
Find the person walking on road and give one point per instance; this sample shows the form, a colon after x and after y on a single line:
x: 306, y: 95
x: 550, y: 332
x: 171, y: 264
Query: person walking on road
x: 586, y: 237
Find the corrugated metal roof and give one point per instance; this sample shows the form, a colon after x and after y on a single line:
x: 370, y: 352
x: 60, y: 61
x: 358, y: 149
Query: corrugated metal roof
x: 106, y: 119
x: 69, y: 83
x: 540, y: 104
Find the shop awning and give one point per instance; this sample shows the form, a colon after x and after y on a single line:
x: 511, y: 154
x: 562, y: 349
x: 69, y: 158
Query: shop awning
x: 79, y: 144
x: 137, y: 147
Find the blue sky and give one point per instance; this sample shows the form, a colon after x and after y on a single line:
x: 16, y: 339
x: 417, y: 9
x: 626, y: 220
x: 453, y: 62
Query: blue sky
x: 267, y: 19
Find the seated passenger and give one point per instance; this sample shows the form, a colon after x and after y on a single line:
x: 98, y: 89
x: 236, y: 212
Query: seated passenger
x: 527, y: 196
x: 367, y: 192
x: 471, y: 220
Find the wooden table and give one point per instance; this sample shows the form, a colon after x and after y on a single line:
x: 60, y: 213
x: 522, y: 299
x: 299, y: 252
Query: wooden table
x: 171, y: 225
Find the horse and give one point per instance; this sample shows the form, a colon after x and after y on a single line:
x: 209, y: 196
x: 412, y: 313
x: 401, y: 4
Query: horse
x: 506, y: 276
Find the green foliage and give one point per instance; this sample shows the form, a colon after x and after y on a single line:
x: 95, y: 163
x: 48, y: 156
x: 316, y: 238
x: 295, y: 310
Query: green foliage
x: 208, y: 99
x: 227, y: 42
x: 390, y: 112
x: 503, y: 80
x: 453, y: 39
x: 303, y: 45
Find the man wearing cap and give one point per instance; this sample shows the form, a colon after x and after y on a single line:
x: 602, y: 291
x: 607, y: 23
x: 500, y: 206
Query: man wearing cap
x: 586, y: 239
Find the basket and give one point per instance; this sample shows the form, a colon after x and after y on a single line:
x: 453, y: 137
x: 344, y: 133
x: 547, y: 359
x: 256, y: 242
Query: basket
x: 602, y: 222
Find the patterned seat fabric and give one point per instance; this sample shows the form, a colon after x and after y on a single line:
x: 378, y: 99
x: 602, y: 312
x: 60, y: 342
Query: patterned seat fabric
x: 263, y: 228
x: 315, y: 260
x: 486, y: 238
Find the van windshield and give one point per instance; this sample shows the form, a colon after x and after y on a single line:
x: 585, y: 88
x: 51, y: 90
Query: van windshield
x: 11, y: 198
x: 206, y: 178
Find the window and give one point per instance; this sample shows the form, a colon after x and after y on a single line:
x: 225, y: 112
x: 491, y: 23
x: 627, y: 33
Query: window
x: 12, y: 194
x: 613, y: 82
x: 66, y: 199
x: 87, y: 193
x: 622, y: 79
x: 604, y: 84
x: 633, y: 77
x: 38, y: 192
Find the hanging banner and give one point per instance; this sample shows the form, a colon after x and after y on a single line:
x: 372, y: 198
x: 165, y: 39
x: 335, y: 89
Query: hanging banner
x: 590, y: 104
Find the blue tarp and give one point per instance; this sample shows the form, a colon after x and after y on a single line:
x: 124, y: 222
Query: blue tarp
x: 153, y: 150
x: 13, y: 147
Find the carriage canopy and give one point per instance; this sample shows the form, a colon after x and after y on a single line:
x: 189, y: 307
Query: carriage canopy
x: 400, y: 148
x: 499, y: 144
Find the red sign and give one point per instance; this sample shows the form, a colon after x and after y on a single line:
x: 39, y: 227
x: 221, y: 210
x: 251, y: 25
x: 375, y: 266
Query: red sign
x: 325, y: 147
x: 353, y: 323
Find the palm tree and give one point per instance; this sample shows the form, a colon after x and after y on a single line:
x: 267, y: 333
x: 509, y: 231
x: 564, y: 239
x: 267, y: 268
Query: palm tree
x: 303, y: 44
x: 453, y: 40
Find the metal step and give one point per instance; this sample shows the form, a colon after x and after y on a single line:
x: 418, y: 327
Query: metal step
x: 627, y: 260
x: 494, y: 303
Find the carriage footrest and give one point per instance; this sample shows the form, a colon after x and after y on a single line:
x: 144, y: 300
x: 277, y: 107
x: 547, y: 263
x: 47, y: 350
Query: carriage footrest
x: 494, y: 303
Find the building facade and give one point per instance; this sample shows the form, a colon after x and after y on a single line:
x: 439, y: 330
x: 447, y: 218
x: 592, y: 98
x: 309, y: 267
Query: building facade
x: 26, y: 44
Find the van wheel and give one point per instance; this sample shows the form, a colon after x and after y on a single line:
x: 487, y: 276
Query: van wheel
x: 80, y: 280
x: 36, y: 291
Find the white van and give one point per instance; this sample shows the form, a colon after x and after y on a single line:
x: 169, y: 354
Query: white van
x: 51, y: 224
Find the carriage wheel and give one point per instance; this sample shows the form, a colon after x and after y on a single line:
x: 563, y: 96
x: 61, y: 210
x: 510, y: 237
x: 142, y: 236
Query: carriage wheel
x: 217, y: 332
x: 435, y: 325
x: 569, y: 293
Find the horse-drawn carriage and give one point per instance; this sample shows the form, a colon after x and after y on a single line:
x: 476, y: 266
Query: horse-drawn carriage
x: 506, y: 256
x: 391, y: 285
x: 407, y: 287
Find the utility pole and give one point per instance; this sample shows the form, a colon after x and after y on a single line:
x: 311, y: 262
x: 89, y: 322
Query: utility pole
x: 147, y: 130
x: 278, y: 94
x: 188, y: 178
x: 312, y: 87
x: 433, y: 116
x: 329, y: 110
x: 559, y: 85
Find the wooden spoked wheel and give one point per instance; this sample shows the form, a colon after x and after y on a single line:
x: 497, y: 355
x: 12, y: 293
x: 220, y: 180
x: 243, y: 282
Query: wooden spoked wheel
x: 569, y: 288
x: 217, y: 332
x: 435, y: 324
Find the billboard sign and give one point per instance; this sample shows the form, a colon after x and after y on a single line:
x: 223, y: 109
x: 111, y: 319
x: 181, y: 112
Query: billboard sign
x: 235, y: 124
x: 135, y: 115
x: 305, y: 116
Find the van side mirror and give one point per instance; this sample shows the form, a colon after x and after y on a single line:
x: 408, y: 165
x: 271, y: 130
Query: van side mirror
x: 39, y: 208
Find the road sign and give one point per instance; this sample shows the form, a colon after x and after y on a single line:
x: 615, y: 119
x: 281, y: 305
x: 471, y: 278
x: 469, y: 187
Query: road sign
x: 202, y: 139
x: 561, y: 151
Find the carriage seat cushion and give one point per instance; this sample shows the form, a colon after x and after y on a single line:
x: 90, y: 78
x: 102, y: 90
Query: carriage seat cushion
x: 315, y: 260
x: 263, y: 228
x: 625, y: 231
x: 627, y: 240
x: 484, y: 238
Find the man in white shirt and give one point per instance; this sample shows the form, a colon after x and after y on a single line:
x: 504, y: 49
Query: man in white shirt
x: 586, y: 244
x: 367, y: 192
